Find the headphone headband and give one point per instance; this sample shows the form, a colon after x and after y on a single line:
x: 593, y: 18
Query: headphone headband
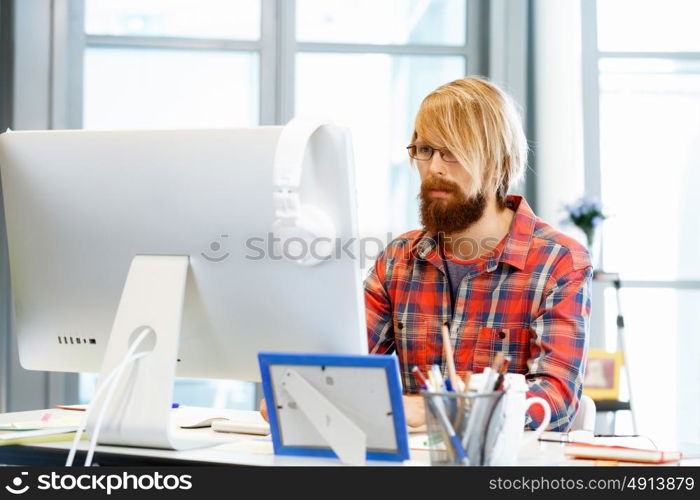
x: 291, y: 148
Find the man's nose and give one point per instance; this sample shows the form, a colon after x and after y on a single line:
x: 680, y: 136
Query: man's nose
x: 437, y: 165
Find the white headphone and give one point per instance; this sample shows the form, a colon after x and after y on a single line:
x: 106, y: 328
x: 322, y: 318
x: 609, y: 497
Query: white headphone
x: 305, y: 233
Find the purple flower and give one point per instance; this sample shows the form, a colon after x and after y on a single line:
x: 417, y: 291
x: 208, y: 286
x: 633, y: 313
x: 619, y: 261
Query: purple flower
x: 586, y: 213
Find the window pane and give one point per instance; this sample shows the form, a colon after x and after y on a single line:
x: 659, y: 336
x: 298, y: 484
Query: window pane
x: 648, y: 25
x: 179, y: 18
x: 650, y: 167
x: 377, y: 95
x: 439, y: 22
x: 153, y: 88
x: 664, y: 358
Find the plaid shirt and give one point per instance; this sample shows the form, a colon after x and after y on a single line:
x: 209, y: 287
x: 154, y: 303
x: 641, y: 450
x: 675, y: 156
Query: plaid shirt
x: 530, y: 297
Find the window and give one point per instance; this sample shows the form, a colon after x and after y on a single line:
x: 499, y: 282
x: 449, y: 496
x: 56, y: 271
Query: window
x: 399, y: 22
x: 170, y: 63
x: 216, y: 63
x: 649, y: 129
x: 149, y: 88
x: 647, y: 64
x: 206, y: 19
x: 648, y: 25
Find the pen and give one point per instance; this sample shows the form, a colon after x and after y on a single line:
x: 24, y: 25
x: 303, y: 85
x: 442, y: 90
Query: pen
x: 447, y: 426
x: 501, y: 375
x: 437, y: 376
x: 506, y: 363
x: 503, y: 369
x: 431, y: 382
x: 449, y: 356
x: 419, y: 376
x: 478, y: 408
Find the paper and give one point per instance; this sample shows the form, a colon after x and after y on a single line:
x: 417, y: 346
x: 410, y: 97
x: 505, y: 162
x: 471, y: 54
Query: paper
x: 46, y: 421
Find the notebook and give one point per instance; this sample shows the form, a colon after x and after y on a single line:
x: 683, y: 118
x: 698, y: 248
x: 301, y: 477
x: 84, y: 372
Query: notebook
x: 37, y: 436
x: 620, y: 453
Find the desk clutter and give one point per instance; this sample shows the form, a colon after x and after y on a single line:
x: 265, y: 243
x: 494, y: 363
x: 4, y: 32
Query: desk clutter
x: 553, y: 448
x: 61, y: 422
x: 479, y: 420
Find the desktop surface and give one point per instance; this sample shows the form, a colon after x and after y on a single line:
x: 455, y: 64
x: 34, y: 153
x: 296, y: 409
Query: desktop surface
x: 249, y: 450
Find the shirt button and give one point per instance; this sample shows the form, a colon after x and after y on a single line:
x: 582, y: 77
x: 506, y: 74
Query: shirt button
x: 400, y: 325
x: 501, y: 335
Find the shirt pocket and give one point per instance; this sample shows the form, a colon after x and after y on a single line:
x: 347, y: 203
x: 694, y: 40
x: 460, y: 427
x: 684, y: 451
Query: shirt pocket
x: 412, y: 336
x: 513, y: 342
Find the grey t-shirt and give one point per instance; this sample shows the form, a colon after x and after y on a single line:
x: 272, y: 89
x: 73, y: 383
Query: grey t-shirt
x: 457, y: 272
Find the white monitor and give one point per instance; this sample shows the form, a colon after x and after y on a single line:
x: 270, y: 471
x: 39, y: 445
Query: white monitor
x: 79, y: 205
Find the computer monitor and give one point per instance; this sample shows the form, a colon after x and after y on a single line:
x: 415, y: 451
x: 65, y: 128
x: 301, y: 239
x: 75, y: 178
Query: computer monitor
x: 80, y: 205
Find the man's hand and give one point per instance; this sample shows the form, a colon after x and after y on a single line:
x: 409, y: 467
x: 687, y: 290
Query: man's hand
x: 263, y: 410
x: 414, y: 409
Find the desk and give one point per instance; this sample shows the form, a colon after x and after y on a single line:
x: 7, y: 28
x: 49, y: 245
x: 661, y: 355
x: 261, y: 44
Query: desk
x: 242, y: 450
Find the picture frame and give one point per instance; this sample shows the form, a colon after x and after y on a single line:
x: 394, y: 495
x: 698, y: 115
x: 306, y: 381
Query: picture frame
x: 602, y: 379
x: 365, y: 388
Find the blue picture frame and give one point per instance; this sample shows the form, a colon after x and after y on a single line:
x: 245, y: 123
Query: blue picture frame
x: 388, y: 363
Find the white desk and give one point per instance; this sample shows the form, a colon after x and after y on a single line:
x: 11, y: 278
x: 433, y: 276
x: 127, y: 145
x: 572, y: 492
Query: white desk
x: 246, y: 450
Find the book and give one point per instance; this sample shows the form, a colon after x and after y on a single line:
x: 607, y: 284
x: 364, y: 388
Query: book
x: 620, y: 453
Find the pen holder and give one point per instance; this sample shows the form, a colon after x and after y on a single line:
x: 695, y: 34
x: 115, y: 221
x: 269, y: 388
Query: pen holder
x: 457, y: 425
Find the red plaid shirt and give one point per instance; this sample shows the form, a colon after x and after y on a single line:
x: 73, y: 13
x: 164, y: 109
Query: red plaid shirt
x: 530, y: 297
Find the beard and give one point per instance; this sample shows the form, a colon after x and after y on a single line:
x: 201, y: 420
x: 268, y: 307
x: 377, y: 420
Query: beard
x: 452, y: 214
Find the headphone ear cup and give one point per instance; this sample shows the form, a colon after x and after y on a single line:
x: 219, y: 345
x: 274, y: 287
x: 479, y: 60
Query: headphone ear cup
x: 308, y: 239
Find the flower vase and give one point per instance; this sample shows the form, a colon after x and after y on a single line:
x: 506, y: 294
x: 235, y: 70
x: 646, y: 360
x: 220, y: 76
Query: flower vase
x: 595, y: 249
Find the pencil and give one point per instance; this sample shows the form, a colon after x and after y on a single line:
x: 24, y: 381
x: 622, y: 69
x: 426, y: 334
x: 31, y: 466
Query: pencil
x: 467, y: 380
x: 449, y: 357
x: 498, y: 362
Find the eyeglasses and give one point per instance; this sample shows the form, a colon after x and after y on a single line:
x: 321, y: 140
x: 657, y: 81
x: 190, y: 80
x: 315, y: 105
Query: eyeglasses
x: 423, y: 152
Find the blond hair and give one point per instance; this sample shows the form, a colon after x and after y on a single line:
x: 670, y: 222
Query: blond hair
x: 481, y: 126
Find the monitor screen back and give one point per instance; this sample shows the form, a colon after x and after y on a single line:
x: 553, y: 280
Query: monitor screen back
x: 79, y: 205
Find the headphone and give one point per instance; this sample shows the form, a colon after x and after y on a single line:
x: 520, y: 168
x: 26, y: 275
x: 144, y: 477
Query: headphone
x: 305, y: 234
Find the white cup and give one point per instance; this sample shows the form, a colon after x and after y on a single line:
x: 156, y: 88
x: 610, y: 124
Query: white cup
x: 505, y: 437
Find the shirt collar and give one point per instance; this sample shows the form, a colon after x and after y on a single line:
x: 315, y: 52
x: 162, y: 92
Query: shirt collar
x: 517, y: 241
x: 521, y: 230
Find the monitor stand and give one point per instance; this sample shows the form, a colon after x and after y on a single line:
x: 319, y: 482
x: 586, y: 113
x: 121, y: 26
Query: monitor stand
x: 139, y: 413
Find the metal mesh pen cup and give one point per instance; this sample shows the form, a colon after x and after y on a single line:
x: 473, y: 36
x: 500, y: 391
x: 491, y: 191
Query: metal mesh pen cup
x: 457, y: 424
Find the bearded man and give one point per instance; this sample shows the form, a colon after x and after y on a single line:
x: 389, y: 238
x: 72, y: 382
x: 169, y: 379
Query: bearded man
x: 484, y: 264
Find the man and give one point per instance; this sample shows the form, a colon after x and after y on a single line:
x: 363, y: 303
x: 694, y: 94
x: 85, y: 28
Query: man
x: 501, y: 278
